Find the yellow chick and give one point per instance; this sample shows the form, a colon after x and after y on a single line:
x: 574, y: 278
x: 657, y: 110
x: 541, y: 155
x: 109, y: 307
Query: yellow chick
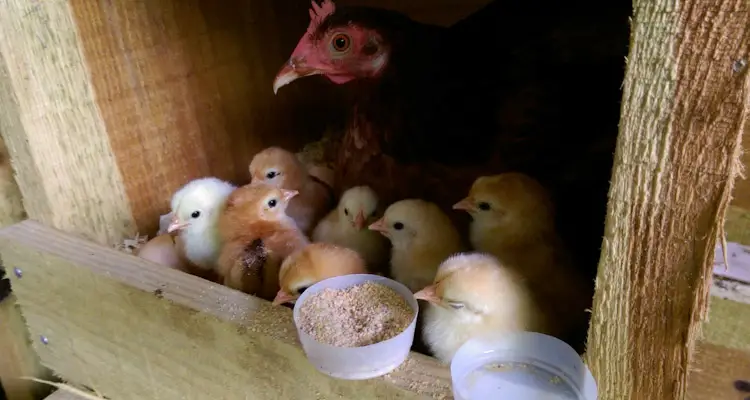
x: 312, y: 264
x: 474, y: 295
x: 283, y: 169
x: 513, y: 219
x: 421, y: 236
x: 347, y: 225
x: 195, y: 212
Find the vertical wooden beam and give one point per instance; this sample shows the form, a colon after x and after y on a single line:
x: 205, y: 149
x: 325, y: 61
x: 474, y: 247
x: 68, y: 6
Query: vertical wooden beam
x: 53, y: 127
x: 686, y: 102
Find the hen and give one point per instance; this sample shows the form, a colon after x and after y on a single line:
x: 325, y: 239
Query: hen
x: 528, y: 86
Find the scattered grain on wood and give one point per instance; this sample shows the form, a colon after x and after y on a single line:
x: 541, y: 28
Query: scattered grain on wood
x: 357, y: 316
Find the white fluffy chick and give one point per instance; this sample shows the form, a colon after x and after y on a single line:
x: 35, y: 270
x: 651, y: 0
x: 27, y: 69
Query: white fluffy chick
x: 283, y: 169
x: 195, y: 211
x: 422, y: 237
x: 474, y: 295
x: 346, y: 226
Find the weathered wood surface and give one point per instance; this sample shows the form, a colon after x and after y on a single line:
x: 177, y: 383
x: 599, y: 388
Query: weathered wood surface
x: 685, y: 105
x: 130, y: 329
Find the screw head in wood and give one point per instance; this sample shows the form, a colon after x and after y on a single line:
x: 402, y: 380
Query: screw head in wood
x: 18, y: 272
x: 739, y: 65
x: 44, y: 339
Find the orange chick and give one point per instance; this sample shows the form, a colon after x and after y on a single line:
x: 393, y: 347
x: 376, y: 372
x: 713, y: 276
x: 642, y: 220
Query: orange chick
x: 474, y: 295
x: 312, y: 264
x: 257, y: 235
x: 282, y: 168
x: 421, y: 236
x: 346, y: 225
x: 513, y: 219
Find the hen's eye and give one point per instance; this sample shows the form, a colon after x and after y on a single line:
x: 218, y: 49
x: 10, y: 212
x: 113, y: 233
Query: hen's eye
x: 302, y: 289
x: 484, y: 206
x: 271, y: 175
x: 272, y: 203
x: 195, y: 214
x: 398, y: 226
x: 340, y: 42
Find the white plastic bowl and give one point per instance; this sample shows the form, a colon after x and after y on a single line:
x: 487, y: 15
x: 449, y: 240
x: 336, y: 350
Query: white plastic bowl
x: 354, y: 363
x: 523, y: 365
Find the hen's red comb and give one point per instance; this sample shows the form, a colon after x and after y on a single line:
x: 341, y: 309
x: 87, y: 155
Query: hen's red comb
x: 318, y: 13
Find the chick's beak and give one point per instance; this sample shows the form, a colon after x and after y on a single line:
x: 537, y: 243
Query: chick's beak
x: 288, y: 194
x: 175, y: 224
x: 282, y: 297
x: 428, y: 294
x: 466, y: 204
x: 359, y: 220
x: 378, y: 226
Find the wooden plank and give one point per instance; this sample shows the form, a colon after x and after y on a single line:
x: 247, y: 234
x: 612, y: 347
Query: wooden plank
x: 52, y: 126
x: 716, y: 372
x: 18, y: 357
x: 685, y: 104
x: 151, y: 332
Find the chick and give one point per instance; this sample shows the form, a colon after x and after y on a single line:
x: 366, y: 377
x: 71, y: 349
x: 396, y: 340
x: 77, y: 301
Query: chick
x: 347, y: 225
x: 195, y: 212
x: 312, y: 264
x: 283, y: 169
x: 162, y: 250
x: 513, y: 219
x: 257, y: 236
x: 422, y: 237
x: 473, y: 295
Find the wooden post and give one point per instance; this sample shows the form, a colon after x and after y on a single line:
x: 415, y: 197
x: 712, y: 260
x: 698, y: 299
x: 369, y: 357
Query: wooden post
x: 17, y: 357
x: 686, y: 102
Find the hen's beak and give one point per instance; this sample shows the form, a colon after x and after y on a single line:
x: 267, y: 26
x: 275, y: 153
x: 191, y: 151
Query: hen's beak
x: 359, y: 220
x: 466, y: 204
x: 176, y: 225
x: 282, y: 297
x: 379, y: 226
x: 292, y: 70
x: 428, y: 294
x: 288, y: 194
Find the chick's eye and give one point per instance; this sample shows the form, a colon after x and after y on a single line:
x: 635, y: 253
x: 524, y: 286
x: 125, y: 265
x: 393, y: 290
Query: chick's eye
x: 271, y: 175
x: 195, y: 214
x: 398, y: 226
x: 272, y: 203
x: 456, y: 306
x: 484, y: 206
x: 341, y: 42
x: 346, y: 211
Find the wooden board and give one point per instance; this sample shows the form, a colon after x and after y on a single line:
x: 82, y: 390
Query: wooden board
x: 686, y: 101
x: 150, y: 332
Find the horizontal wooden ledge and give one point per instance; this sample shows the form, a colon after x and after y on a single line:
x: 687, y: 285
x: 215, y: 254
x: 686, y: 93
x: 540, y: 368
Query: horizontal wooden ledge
x: 129, y: 328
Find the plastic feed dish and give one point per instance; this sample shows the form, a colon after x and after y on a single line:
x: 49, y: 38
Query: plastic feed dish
x: 364, y: 362
x: 523, y: 365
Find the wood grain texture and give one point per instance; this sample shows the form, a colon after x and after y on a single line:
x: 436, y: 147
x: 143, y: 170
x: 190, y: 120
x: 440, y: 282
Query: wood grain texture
x: 684, y: 110
x: 11, y: 202
x: 52, y: 125
x: 152, y: 332
x: 17, y: 357
x: 64, y: 395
